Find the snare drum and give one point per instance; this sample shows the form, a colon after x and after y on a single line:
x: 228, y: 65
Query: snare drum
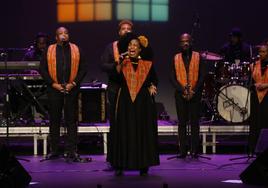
x: 233, y: 103
x: 245, y: 70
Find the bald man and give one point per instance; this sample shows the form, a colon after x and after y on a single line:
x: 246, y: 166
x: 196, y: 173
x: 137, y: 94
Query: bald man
x: 187, y: 77
x: 63, y: 68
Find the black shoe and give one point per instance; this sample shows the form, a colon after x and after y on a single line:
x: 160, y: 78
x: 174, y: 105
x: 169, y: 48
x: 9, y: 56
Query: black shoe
x: 182, y: 156
x: 119, y: 172
x: 75, y: 157
x: 144, y: 172
x: 194, y: 155
x: 109, y: 168
x: 250, y: 155
x: 71, y: 156
x: 52, y: 156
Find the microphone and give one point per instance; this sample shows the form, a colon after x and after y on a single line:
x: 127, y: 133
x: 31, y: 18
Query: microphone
x: 124, y: 54
x: 255, y: 58
x: 30, y: 48
x: 122, y: 57
x: 62, y: 38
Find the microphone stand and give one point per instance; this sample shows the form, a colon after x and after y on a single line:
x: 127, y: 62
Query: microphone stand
x: 187, y: 88
x: 7, y: 104
x: 249, y: 156
x: 65, y: 92
x: 195, y: 26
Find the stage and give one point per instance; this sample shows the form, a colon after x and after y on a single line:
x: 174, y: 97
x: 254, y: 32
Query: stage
x: 208, y: 132
x: 217, y: 172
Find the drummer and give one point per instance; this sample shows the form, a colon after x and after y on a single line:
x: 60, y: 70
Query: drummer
x: 235, y: 50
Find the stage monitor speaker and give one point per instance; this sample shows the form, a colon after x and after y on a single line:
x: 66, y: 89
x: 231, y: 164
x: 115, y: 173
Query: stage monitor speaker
x: 92, y: 105
x: 257, y: 172
x: 12, y: 173
x: 262, y: 143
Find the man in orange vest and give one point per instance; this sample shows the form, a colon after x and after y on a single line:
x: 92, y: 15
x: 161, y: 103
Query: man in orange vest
x: 63, y: 68
x: 187, y: 77
x: 110, y: 64
x: 259, y: 97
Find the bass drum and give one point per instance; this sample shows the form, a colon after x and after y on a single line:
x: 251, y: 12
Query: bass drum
x: 233, y: 103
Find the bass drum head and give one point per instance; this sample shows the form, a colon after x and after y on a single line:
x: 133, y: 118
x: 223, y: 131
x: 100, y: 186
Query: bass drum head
x: 233, y: 103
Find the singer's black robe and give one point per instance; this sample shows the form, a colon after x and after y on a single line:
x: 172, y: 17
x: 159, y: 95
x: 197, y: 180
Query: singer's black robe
x: 134, y: 135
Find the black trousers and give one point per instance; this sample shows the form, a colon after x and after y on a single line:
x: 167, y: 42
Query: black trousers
x: 68, y: 103
x: 258, y: 119
x: 188, y: 111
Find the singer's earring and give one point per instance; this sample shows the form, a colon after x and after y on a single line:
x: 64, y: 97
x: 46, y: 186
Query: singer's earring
x: 127, y: 56
x: 139, y: 57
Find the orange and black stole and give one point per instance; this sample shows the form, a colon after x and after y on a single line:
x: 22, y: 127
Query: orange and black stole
x: 135, y: 79
x: 181, y: 74
x: 259, y: 78
x: 116, y: 52
x: 52, y: 62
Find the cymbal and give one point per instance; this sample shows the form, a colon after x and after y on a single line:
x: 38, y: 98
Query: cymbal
x: 211, y: 56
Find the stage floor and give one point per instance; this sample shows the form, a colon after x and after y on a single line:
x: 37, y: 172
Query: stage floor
x: 217, y: 172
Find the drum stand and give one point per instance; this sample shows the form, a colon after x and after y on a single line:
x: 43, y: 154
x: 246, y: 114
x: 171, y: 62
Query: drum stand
x: 208, y: 105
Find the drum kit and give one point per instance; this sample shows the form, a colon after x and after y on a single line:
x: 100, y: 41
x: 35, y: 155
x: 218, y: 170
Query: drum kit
x: 226, y: 95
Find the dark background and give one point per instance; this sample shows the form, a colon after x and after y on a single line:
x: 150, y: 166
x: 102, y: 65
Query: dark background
x: 22, y: 19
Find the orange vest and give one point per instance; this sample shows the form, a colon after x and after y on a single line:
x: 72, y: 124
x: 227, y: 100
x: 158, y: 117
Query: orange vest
x: 135, y: 79
x: 192, y: 76
x: 258, y: 78
x: 52, y: 62
x: 116, y: 51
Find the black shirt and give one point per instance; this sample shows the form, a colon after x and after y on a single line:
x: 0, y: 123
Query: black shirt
x: 201, y: 75
x: 63, y: 58
x: 231, y: 52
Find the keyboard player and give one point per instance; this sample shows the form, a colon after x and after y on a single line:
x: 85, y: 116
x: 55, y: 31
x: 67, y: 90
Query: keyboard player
x: 23, y: 74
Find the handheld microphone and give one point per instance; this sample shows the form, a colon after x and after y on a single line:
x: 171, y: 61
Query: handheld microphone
x: 257, y: 57
x: 122, y: 57
x: 62, y: 38
x: 124, y: 54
